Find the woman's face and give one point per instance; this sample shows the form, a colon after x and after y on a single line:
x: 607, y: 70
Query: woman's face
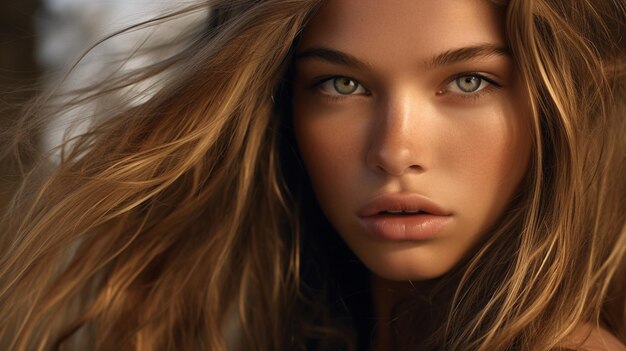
x: 413, y: 126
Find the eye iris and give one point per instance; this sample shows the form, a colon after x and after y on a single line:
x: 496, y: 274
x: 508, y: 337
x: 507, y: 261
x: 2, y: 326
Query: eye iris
x: 345, y: 85
x: 468, y: 84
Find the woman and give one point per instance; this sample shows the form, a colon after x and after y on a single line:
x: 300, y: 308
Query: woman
x: 388, y: 176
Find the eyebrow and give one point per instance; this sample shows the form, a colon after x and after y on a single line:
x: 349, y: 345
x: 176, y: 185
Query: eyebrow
x: 448, y: 57
x: 468, y: 53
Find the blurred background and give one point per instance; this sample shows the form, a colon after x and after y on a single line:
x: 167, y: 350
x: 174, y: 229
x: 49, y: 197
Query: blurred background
x: 41, y: 39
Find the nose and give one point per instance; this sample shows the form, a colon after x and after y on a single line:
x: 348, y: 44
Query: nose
x: 398, y: 139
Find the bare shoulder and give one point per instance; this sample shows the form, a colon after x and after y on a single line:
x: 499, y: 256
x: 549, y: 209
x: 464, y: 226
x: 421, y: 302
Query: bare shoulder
x: 592, y: 338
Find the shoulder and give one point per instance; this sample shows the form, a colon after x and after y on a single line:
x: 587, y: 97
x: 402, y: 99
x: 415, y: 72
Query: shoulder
x: 592, y: 338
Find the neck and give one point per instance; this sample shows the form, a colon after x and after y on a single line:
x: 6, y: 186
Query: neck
x: 386, y: 295
x: 405, y: 315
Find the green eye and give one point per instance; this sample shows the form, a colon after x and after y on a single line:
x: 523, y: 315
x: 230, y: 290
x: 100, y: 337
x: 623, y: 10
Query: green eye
x: 345, y: 85
x: 468, y: 84
x: 339, y: 86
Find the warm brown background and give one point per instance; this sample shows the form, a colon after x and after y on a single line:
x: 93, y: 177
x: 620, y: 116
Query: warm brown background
x: 17, y: 52
x: 18, y: 71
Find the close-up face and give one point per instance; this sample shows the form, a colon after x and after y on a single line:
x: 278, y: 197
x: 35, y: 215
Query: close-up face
x: 413, y: 126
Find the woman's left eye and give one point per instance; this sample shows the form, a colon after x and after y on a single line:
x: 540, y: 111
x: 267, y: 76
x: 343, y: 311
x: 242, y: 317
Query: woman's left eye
x: 468, y: 84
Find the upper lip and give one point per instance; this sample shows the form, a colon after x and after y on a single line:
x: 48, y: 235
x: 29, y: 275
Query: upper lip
x: 401, y: 202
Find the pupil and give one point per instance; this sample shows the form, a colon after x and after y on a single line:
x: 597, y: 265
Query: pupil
x: 468, y: 84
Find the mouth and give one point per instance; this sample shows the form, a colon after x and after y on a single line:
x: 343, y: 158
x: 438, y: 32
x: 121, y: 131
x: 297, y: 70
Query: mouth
x: 402, y: 204
x: 404, y: 217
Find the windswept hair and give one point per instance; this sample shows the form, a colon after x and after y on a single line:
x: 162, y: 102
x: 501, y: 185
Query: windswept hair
x: 178, y: 223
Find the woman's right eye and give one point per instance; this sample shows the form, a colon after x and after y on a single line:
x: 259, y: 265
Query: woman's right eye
x: 342, y: 86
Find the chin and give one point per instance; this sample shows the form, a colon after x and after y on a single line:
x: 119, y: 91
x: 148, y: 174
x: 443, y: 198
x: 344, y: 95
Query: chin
x: 409, y: 265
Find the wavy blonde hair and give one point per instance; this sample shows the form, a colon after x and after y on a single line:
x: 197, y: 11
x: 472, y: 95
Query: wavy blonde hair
x: 176, y: 223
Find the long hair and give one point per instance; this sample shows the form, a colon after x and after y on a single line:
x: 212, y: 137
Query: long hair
x: 558, y: 258
x: 176, y: 223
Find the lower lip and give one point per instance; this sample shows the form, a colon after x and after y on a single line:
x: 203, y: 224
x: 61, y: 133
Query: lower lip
x: 405, y: 227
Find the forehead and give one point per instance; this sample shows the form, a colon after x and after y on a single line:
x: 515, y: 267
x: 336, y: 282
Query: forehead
x: 395, y: 30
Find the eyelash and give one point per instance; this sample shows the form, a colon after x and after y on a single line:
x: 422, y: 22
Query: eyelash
x: 492, y: 84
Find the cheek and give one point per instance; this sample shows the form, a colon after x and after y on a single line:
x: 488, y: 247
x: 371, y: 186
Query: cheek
x: 487, y: 158
x: 324, y: 171
x: 485, y: 154
x: 329, y: 162
x: 331, y: 146
x: 326, y: 149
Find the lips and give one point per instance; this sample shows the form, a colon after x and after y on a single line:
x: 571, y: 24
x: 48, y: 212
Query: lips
x: 403, y: 217
x: 401, y: 202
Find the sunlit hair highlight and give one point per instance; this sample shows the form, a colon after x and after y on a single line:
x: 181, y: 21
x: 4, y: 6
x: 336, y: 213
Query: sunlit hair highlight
x: 164, y: 226
x: 568, y: 248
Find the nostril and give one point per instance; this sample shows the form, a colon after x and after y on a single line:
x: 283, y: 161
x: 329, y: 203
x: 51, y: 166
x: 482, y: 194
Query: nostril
x: 399, y: 172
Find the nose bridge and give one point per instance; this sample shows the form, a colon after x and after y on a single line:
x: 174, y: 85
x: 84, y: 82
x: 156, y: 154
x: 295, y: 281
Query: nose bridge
x: 396, y: 146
